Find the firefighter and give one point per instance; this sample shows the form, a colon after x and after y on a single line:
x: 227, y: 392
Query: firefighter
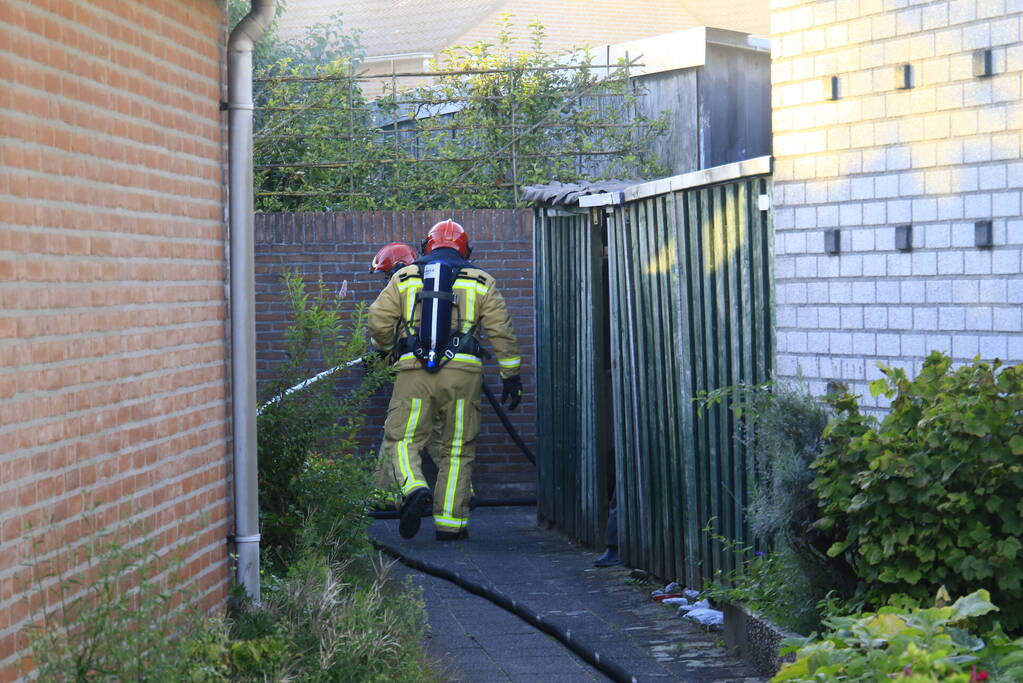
x: 430, y: 316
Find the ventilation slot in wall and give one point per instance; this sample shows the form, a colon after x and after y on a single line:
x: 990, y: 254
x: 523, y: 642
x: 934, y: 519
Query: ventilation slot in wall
x: 983, y: 236
x: 904, y: 237
x: 904, y: 76
x: 834, y: 90
x: 983, y: 65
x: 832, y: 241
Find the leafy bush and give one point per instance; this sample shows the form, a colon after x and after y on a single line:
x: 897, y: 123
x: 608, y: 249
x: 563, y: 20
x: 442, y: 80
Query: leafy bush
x: 311, y: 476
x: 335, y: 491
x: 782, y: 426
x: 920, y: 645
x: 933, y: 494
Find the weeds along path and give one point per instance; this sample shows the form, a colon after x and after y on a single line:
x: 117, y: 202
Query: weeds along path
x: 476, y: 640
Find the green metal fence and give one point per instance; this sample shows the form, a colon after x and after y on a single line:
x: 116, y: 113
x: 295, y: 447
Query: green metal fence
x: 689, y: 310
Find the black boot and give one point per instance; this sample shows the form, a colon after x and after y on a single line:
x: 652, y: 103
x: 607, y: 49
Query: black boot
x: 413, y: 509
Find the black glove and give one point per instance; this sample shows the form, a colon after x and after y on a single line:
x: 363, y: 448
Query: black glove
x: 513, y: 390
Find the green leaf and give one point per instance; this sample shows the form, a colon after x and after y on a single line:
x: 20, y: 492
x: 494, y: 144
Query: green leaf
x: 837, y: 549
x: 973, y: 605
x: 878, y: 387
x: 910, y: 575
x: 964, y: 640
x: 1016, y: 444
x: 797, y: 670
x: 1013, y: 658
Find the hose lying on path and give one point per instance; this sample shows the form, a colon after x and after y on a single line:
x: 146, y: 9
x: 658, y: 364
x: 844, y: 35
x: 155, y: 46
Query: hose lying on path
x: 602, y: 664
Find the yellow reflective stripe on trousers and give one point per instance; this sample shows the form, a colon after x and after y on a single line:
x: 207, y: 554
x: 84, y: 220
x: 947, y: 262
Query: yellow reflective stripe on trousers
x: 451, y: 522
x: 510, y: 363
x: 455, y: 459
x: 403, y: 462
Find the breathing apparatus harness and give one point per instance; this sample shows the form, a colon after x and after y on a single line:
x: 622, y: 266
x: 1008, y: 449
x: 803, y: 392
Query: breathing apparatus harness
x: 433, y: 344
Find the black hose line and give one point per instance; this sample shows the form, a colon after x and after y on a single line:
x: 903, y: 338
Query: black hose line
x: 602, y: 664
x: 509, y: 427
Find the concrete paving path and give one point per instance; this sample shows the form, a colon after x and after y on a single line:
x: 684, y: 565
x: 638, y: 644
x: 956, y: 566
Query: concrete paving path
x: 476, y: 641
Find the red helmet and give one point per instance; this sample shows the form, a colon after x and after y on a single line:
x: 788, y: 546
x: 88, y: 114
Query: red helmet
x: 447, y: 234
x: 391, y: 256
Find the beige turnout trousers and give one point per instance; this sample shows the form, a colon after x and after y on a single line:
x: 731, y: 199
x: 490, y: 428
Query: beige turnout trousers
x: 452, y: 397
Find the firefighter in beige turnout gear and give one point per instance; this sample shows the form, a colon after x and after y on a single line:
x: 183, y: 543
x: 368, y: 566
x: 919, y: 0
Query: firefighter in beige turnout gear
x: 439, y: 373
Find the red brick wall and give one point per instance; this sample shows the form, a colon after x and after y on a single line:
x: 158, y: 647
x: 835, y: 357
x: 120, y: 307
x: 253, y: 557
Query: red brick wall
x: 341, y: 247
x: 113, y: 352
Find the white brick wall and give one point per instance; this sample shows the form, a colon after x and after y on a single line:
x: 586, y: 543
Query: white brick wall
x: 939, y: 156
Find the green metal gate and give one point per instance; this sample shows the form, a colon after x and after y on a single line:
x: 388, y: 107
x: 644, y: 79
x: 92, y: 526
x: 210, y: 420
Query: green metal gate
x: 690, y: 302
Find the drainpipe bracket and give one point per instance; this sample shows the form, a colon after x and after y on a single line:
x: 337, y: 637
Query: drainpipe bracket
x: 254, y: 538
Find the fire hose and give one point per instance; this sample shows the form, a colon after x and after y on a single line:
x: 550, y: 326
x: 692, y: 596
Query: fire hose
x: 609, y: 668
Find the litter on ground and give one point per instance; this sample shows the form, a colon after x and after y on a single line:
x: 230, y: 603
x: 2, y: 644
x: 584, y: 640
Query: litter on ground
x: 705, y: 616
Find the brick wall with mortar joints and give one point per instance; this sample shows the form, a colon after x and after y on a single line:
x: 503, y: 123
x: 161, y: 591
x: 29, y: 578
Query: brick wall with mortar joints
x: 113, y: 345
x: 938, y: 156
x: 341, y: 246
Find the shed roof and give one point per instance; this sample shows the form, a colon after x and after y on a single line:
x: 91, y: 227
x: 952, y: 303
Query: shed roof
x: 568, y: 194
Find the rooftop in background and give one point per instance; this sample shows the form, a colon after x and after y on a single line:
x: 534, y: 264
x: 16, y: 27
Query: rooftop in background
x: 745, y: 16
x: 422, y: 28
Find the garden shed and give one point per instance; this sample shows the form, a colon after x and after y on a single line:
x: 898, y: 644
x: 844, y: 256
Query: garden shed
x: 647, y: 296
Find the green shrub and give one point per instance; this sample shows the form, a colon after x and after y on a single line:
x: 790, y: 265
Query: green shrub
x: 916, y: 646
x: 782, y: 427
x: 774, y: 584
x: 121, y: 615
x: 786, y: 580
x: 335, y: 491
x: 336, y: 623
x: 311, y: 474
x: 933, y: 494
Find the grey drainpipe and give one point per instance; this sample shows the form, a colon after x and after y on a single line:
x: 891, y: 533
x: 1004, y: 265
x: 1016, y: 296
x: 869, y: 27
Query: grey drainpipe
x: 243, y: 318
